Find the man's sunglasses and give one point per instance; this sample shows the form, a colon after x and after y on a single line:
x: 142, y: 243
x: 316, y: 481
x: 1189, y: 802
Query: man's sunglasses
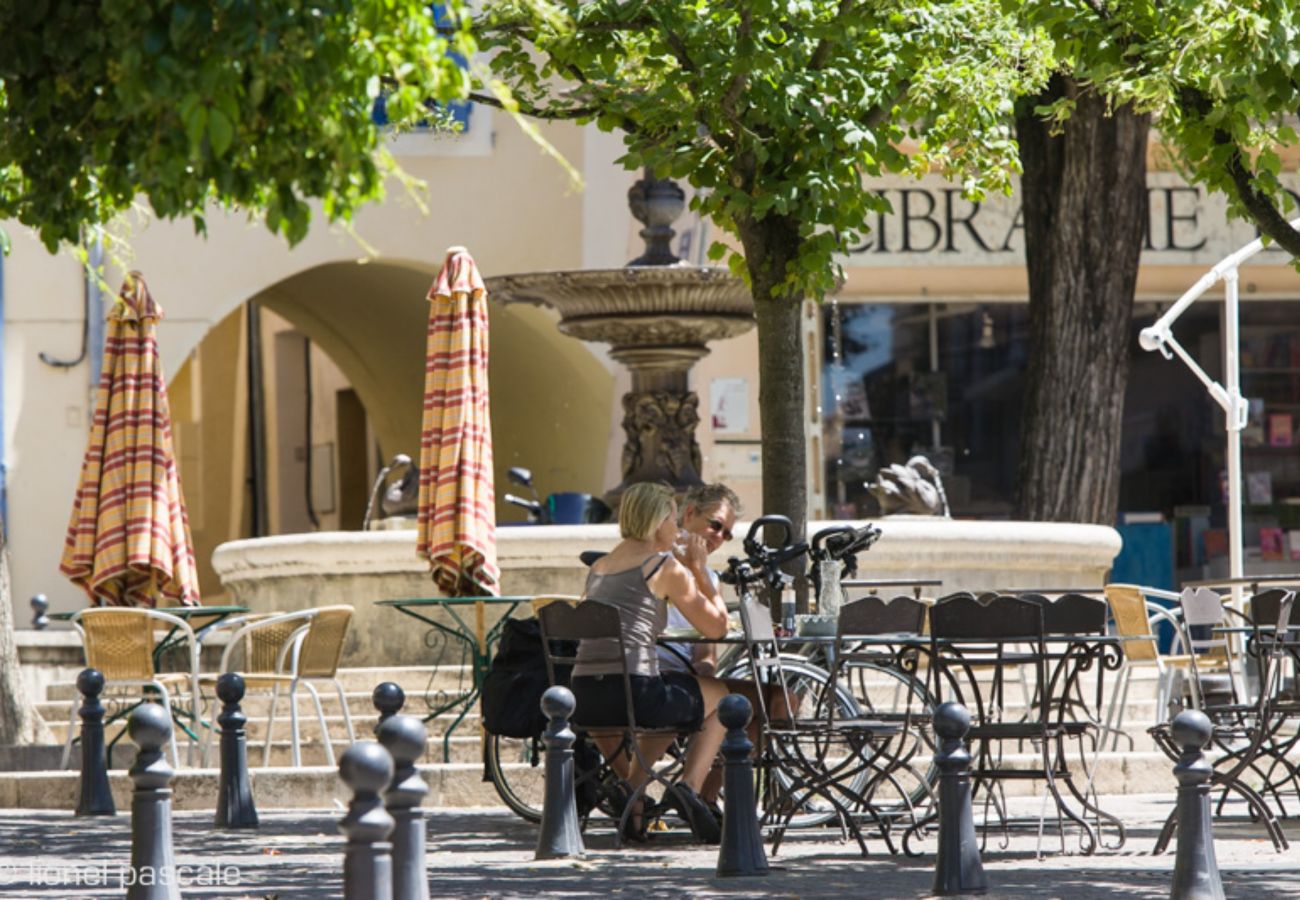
x: 717, y: 526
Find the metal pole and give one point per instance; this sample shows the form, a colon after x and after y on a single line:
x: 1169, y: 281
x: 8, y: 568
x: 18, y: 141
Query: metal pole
x: 96, y: 799
x: 405, y: 737
x: 559, y: 837
x: 1234, y: 422
x: 367, y: 769
x: 153, y: 866
x: 958, y: 868
x: 741, y: 852
x: 388, y: 698
x: 1196, y: 871
x: 235, y: 807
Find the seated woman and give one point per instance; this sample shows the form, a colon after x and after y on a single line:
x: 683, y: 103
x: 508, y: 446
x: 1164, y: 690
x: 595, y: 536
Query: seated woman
x: 642, y: 577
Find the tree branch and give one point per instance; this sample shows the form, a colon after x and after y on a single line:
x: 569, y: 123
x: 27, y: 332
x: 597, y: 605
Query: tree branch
x: 822, y: 52
x: 1259, y: 205
x: 551, y: 114
x: 1263, y: 211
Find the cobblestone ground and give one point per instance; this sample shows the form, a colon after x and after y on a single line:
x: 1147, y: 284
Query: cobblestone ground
x: 488, y: 854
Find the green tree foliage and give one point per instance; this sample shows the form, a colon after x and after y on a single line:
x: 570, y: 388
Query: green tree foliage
x: 257, y: 104
x: 1221, y: 79
x: 775, y: 111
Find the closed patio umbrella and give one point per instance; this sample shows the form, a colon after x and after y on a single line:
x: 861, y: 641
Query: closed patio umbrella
x: 456, y: 515
x: 128, y: 542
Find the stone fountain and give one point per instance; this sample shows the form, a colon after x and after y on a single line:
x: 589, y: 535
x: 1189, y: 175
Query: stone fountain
x: 658, y: 314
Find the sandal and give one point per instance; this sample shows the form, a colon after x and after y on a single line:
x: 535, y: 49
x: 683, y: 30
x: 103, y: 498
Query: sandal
x: 695, y: 811
x: 635, y: 825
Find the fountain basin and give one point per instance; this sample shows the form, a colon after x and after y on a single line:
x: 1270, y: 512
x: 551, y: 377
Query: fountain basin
x: 297, y: 571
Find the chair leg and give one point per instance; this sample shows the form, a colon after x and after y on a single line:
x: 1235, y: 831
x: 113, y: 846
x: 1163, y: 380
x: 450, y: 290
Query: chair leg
x: 347, y: 716
x: 72, y: 734
x: 324, y: 726
x: 1115, y: 715
x: 207, y: 736
x: 270, y: 726
x: 293, y: 723
x: 171, y: 738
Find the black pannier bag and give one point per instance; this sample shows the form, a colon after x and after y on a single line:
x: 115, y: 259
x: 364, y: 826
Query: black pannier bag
x: 512, y: 691
x: 511, y: 699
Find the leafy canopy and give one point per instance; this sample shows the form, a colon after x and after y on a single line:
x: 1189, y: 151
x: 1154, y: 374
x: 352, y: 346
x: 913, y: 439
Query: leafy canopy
x: 1221, y: 78
x: 261, y: 104
x: 780, y: 108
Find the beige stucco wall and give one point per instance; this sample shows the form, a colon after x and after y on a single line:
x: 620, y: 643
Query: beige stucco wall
x: 361, y: 300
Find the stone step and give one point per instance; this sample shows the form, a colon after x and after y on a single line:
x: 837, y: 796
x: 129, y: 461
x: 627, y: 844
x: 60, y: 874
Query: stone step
x: 416, y: 681
x: 464, y: 745
x: 458, y: 785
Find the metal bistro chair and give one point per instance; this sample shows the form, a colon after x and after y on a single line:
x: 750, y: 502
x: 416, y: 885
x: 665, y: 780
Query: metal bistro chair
x: 884, y: 681
x: 288, y: 649
x: 565, y: 621
x: 120, y: 643
x: 1243, y: 730
x: 827, y: 752
x: 1001, y: 634
x: 1075, y: 688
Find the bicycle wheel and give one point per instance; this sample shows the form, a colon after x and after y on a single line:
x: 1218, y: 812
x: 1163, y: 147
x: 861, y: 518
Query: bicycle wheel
x: 886, y: 693
x: 807, y: 685
x: 513, y: 767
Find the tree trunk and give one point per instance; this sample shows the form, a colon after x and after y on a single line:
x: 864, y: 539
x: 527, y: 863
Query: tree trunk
x: 20, y: 723
x: 1085, y: 215
x: 769, y: 245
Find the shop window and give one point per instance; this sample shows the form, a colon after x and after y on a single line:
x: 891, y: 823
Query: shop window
x: 940, y: 380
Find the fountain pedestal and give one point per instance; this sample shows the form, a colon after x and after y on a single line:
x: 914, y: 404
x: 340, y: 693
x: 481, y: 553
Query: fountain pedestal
x: 658, y: 315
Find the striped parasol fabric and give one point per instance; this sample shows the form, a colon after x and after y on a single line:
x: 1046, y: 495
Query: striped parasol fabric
x: 128, y: 542
x: 456, y: 515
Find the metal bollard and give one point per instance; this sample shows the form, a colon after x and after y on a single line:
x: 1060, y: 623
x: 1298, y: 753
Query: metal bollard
x: 1196, y: 871
x: 367, y: 769
x: 40, y: 606
x: 405, y: 737
x: 741, y: 852
x: 96, y: 799
x: 235, y: 807
x: 153, y: 866
x: 957, y: 869
x: 559, y: 836
x: 388, y: 699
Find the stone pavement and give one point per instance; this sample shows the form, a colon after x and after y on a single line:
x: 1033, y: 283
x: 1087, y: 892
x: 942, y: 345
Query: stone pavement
x: 487, y: 853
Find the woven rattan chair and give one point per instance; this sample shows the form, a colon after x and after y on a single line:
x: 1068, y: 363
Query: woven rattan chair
x: 120, y: 642
x: 1134, y: 619
x: 281, y: 650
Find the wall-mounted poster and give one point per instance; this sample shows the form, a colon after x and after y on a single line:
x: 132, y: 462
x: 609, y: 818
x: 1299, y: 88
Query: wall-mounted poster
x: 729, y: 405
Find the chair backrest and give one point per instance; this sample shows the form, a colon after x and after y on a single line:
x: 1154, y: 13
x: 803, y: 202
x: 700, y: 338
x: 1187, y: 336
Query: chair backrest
x: 262, y: 639
x: 322, y: 645
x: 1128, y: 607
x: 872, y: 615
x: 990, y: 616
x: 1007, y: 622
x: 566, y: 622
x: 1201, y: 606
x: 1074, y: 614
x: 764, y: 654
x: 119, y: 641
x: 1267, y: 608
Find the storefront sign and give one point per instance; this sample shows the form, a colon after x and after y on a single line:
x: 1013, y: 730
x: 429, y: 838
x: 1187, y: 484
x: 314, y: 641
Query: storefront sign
x: 932, y: 224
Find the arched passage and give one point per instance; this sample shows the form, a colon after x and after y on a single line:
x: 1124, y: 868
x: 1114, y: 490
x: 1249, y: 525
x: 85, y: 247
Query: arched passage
x: 551, y: 397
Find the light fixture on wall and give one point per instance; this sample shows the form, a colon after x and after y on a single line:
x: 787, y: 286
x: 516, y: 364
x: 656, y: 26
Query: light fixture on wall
x: 987, y: 340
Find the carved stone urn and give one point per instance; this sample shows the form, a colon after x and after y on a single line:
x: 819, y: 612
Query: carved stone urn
x: 658, y: 315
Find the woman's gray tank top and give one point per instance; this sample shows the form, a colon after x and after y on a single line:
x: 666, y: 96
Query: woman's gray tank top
x: 644, y: 618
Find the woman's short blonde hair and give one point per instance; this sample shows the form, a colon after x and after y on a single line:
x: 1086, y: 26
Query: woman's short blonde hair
x: 643, y: 508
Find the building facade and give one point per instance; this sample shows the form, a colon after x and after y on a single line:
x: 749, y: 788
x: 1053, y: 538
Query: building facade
x: 295, y: 374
